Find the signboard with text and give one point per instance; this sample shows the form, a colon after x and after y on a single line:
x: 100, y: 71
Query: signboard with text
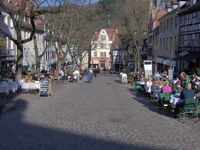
x: 147, y: 68
x: 2, y: 42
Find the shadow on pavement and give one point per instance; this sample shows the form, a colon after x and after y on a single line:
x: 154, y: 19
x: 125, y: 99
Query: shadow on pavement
x: 18, y: 134
x: 118, y: 81
x: 151, y: 105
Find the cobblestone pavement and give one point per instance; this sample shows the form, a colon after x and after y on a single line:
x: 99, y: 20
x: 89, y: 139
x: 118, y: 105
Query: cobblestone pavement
x: 102, y: 115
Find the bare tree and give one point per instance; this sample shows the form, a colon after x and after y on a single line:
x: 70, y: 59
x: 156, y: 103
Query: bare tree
x: 73, y: 27
x: 17, y: 12
x: 134, y: 23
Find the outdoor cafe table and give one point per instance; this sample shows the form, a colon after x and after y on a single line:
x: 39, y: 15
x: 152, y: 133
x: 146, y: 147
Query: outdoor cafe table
x: 30, y: 85
x: 198, y: 85
x: 4, y: 88
x: 141, y: 82
x: 175, y: 98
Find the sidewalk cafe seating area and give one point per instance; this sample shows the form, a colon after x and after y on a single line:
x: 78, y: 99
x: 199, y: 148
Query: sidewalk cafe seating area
x: 170, y: 94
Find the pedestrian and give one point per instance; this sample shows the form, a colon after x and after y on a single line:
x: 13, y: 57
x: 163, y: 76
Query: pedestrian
x: 89, y: 74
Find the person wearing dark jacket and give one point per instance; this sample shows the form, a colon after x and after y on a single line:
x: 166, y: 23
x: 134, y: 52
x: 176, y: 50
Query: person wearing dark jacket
x: 185, y: 94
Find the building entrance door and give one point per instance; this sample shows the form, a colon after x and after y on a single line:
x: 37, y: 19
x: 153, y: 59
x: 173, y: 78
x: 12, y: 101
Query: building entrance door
x: 102, y: 65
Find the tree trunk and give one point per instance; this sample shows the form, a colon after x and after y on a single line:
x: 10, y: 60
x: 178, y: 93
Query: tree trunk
x: 135, y: 63
x: 59, y: 65
x: 138, y: 60
x: 63, y: 66
x: 80, y: 64
x: 37, y: 57
x: 38, y: 65
x: 89, y: 58
x: 18, y: 74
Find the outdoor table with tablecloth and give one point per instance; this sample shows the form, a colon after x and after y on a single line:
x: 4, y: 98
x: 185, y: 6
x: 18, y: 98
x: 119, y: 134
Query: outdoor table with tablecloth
x: 4, y: 88
x: 141, y: 82
x: 198, y: 85
x: 175, y: 98
x: 30, y: 85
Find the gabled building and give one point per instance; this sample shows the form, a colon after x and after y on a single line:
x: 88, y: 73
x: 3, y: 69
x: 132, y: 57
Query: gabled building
x: 189, y: 36
x: 8, y: 52
x: 7, y: 47
x: 168, y: 38
x: 154, y: 16
x: 104, y: 46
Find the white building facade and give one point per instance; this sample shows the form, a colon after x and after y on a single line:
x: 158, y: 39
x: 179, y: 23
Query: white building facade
x: 101, y: 53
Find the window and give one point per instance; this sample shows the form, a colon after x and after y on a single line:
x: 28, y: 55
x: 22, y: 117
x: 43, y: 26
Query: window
x: 101, y: 54
x: 167, y: 44
x: 176, y: 21
x: 193, y: 39
x: 167, y: 25
x: 187, y: 19
x: 104, y: 54
x: 95, y: 54
x: 171, y: 43
x: 198, y: 39
x: 24, y: 34
x: 171, y: 23
x: 164, y: 26
x: 194, y: 17
x: 103, y: 37
x: 164, y: 44
x: 103, y: 45
x: 160, y: 43
x: 160, y: 28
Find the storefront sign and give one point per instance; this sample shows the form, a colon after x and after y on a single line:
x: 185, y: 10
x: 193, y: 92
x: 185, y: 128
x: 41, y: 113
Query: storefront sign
x: 2, y: 42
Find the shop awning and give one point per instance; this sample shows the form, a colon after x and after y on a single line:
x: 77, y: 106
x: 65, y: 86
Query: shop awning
x: 169, y: 62
x: 189, y: 56
x: 165, y: 61
x: 160, y: 60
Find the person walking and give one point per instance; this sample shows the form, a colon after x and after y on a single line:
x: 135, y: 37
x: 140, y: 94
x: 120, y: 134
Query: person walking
x: 89, y: 74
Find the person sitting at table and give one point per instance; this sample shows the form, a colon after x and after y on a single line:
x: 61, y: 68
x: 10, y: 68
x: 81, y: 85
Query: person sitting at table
x: 148, y: 85
x: 184, y: 79
x: 177, y: 87
x: 186, y: 93
x: 166, y: 88
x: 155, y: 88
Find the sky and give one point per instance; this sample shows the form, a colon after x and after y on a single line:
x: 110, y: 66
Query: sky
x: 93, y: 1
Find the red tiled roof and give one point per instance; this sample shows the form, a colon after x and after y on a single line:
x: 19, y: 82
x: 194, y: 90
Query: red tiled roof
x: 110, y: 32
x: 15, y: 5
x: 155, y: 15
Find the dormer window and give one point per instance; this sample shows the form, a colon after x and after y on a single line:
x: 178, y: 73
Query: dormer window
x: 10, y: 1
x: 103, y: 37
x: 17, y: 5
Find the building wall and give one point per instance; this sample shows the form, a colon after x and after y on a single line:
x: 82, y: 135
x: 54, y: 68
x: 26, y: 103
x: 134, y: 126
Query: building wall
x: 189, y: 37
x: 168, y: 35
x: 29, y: 49
x: 7, y: 47
x: 101, y: 54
